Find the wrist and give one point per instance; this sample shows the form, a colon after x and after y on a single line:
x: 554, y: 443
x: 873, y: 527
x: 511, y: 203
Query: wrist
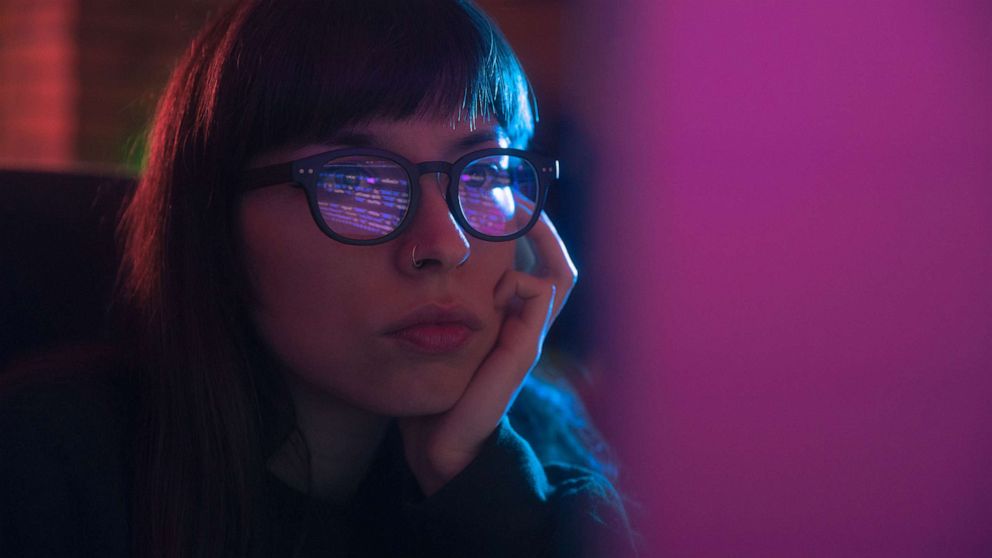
x: 433, y: 472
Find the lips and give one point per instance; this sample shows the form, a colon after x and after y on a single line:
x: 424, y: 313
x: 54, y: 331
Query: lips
x: 435, y: 329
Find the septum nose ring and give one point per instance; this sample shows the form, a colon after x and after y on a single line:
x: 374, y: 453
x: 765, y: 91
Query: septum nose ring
x: 413, y: 257
x: 413, y: 254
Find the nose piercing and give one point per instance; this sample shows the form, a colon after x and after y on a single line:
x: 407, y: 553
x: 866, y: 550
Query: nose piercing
x: 413, y: 257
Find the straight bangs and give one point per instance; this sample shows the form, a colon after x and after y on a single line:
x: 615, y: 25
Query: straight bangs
x: 330, y: 65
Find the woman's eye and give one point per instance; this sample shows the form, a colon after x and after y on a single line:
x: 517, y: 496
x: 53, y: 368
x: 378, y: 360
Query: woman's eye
x: 479, y: 176
x: 348, y: 177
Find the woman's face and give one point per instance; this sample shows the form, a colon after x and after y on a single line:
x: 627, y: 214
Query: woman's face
x: 331, y: 311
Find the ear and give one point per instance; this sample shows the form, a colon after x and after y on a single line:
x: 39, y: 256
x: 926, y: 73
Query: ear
x: 525, y: 258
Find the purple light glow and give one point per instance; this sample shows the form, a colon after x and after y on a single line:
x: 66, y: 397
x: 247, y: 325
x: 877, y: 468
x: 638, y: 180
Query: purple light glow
x: 797, y: 311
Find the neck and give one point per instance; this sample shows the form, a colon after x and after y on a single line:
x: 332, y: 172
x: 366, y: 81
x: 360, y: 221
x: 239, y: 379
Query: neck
x: 342, y: 440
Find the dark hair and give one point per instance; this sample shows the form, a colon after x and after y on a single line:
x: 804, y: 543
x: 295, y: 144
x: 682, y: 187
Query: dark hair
x: 265, y: 74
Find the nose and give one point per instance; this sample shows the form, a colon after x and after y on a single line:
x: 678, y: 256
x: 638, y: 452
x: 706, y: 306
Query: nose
x: 439, y: 241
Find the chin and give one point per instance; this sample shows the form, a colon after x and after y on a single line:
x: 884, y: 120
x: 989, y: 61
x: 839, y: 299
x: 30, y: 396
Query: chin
x: 421, y: 397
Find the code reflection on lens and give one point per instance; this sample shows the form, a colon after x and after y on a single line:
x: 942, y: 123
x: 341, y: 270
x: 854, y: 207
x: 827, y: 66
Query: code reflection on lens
x: 361, y: 198
x: 496, y: 193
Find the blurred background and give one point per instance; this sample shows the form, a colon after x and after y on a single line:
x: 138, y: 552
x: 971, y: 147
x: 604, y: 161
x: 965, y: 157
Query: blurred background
x: 782, y: 217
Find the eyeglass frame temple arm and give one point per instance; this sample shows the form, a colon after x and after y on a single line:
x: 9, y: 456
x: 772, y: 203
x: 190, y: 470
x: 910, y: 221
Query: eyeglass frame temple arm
x: 271, y: 175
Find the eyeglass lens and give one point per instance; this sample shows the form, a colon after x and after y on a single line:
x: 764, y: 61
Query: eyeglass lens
x: 364, y: 198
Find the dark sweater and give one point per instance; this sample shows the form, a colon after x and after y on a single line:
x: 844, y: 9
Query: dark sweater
x: 65, y: 478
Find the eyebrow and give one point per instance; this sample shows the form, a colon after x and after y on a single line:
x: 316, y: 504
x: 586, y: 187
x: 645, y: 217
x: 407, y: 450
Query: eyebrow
x: 353, y: 138
x: 477, y: 138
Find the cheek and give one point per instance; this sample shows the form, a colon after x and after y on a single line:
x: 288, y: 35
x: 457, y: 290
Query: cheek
x: 306, y: 304
x: 279, y: 249
x: 317, y: 303
x: 293, y: 272
x: 493, y: 258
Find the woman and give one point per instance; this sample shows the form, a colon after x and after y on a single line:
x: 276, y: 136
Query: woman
x: 339, y: 277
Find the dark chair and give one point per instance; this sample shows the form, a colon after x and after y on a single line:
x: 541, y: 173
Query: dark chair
x: 58, y: 258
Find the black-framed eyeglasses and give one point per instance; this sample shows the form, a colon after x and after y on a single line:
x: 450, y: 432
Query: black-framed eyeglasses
x: 368, y: 196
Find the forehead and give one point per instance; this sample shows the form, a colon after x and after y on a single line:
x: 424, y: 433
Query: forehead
x: 417, y: 139
x: 430, y: 133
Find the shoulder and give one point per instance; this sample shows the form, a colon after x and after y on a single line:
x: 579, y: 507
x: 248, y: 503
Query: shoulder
x: 71, y: 384
x: 549, y: 413
x: 70, y: 400
x: 580, y: 468
x: 64, y: 420
x: 586, y: 513
x: 590, y: 515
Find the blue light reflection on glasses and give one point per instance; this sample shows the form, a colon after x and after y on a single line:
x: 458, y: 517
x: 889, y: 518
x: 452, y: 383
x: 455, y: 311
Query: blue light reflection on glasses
x: 356, y: 203
x: 367, y: 199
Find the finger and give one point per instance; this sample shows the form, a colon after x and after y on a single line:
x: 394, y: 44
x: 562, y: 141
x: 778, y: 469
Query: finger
x: 549, y: 249
x: 536, y: 296
x: 558, y: 263
x: 516, y: 350
x: 500, y: 375
x: 525, y: 204
x: 508, y: 287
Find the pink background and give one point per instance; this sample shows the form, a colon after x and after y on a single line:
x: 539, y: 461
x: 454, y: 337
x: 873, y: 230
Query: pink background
x: 793, y: 255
